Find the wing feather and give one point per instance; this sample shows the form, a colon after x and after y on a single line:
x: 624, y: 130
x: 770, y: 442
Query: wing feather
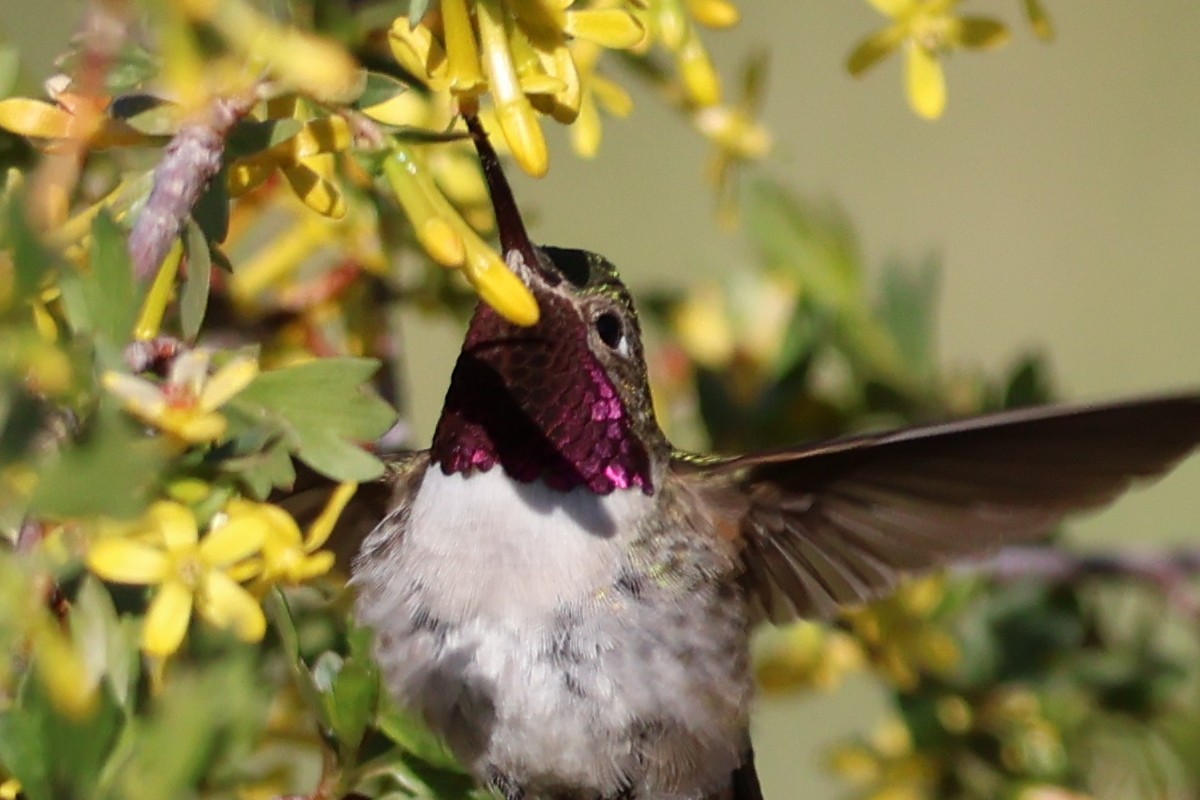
x: 842, y: 521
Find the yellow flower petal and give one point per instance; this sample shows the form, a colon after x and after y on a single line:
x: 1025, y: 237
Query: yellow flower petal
x: 196, y: 427
x: 225, y: 604
x: 586, y: 132
x: 462, y: 67
x: 405, y: 108
x: 175, y: 524
x: 925, y: 82
x: 518, y: 122
x: 714, y: 13
x: 234, y: 541
x: 167, y: 619
x: 138, y: 395
x: 317, y: 193
x: 127, y: 561
x: 34, y: 118
x: 323, y: 525
x: 311, y: 567
x: 611, y: 27
x: 228, y: 381
x: 699, y: 75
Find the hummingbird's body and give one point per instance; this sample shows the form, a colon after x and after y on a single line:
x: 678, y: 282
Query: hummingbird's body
x: 567, y: 600
x: 569, y: 646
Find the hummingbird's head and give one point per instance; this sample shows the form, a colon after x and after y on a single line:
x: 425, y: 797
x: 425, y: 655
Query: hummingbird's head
x: 566, y: 400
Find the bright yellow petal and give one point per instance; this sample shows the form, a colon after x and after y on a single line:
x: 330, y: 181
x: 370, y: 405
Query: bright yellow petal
x: 587, y: 131
x: 925, y: 82
x: 34, y: 118
x: 611, y: 27
x: 237, y: 539
x: 714, y: 13
x: 320, y: 195
x: 175, y: 523
x: 323, y: 525
x: 139, y: 396
x: 127, y: 561
x: 198, y: 427
x: 225, y: 604
x: 311, y: 567
x: 228, y: 381
x: 167, y: 619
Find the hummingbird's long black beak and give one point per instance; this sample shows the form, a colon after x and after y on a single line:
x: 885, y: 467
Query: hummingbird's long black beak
x: 513, y: 236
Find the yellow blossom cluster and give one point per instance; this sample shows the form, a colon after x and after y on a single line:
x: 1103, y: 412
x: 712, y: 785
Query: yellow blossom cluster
x: 220, y: 576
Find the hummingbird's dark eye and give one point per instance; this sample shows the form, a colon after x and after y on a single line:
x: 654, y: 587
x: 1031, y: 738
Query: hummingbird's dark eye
x: 609, y: 329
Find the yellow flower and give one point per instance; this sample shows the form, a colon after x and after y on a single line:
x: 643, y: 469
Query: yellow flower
x: 185, y: 405
x: 926, y: 29
x: 287, y: 556
x: 72, y: 117
x: 902, y: 636
x: 189, y: 572
x: 803, y: 655
x: 517, y: 51
x: 10, y: 789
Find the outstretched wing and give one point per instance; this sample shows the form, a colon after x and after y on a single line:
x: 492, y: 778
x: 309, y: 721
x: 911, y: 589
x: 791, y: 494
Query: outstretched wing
x: 840, y: 522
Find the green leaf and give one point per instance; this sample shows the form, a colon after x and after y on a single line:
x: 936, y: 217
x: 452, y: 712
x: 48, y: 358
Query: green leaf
x: 816, y: 244
x: 107, y: 642
x: 417, y: 9
x: 193, y: 302
x: 103, y: 301
x: 10, y: 64
x: 909, y: 297
x: 54, y: 757
x: 206, y: 716
x: 81, y: 481
x: 211, y: 211
x: 1029, y: 383
x: 31, y: 260
x: 411, y: 734
x: 380, y: 87
x: 323, y: 408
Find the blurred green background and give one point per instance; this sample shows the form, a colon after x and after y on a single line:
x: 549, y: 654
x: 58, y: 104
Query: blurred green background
x: 1061, y: 190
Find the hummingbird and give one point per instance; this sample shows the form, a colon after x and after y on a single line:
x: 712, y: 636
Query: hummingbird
x: 567, y: 599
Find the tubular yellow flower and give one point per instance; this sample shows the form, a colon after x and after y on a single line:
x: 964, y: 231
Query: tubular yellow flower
x: 462, y: 68
x: 418, y: 52
x: 185, y: 405
x: 414, y: 189
x: 314, y: 65
x: 517, y: 120
x: 190, y: 573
